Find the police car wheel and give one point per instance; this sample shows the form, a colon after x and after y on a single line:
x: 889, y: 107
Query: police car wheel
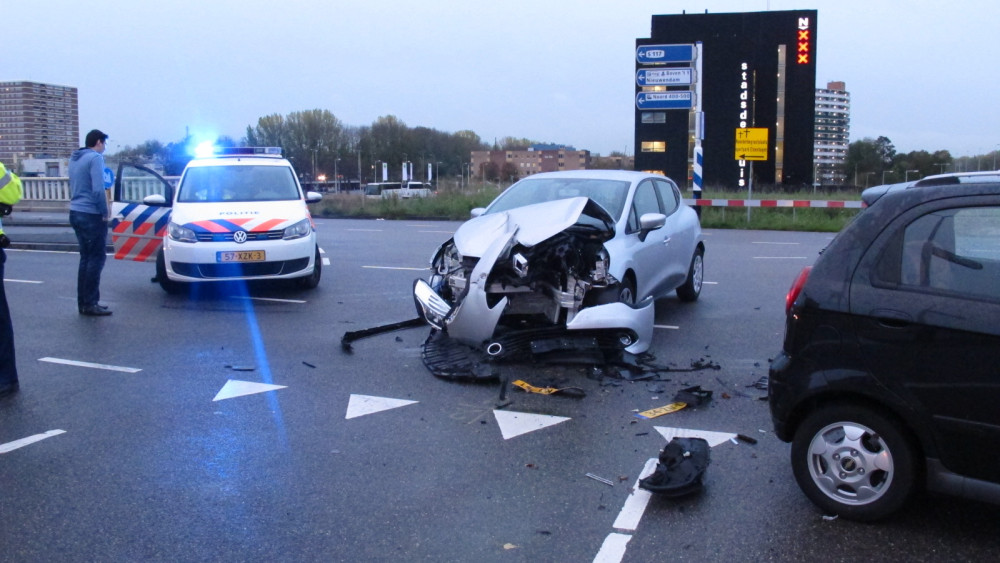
x: 312, y: 280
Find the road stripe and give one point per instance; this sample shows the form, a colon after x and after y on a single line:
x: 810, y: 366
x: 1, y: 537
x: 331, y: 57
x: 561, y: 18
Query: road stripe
x: 11, y: 446
x: 395, y: 268
x: 274, y: 299
x: 613, y: 548
x: 89, y: 365
x: 635, y: 504
x: 667, y: 326
x: 21, y: 281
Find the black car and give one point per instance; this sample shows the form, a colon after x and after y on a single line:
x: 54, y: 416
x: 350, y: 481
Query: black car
x: 889, y: 377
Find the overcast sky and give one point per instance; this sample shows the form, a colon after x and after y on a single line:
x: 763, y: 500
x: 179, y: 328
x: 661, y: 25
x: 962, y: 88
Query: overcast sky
x: 922, y: 73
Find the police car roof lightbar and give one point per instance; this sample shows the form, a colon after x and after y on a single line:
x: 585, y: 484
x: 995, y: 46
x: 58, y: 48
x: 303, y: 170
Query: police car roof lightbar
x: 233, y: 151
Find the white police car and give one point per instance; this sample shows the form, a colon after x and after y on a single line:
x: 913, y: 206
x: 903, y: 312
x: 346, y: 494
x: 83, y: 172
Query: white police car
x: 237, y: 215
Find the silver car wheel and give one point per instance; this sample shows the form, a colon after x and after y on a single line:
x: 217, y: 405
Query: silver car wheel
x: 850, y: 463
x: 698, y: 272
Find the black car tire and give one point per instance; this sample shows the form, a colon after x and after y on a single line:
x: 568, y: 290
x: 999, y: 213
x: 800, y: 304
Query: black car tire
x: 171, y: 287
x: 626, y: 292
x: 854, y: 462
x: 696, y: 276
x: 312, y: 280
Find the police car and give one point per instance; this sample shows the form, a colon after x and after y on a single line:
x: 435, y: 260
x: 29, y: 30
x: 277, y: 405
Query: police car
x: 239, y: 214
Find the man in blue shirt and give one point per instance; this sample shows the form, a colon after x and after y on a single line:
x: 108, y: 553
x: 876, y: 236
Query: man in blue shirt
x: 88, y: 214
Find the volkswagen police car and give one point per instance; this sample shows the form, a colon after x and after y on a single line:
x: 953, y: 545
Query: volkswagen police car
x: 239, y: 214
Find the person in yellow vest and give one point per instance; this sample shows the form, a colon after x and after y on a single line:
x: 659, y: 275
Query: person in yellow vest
x: 10, y: 194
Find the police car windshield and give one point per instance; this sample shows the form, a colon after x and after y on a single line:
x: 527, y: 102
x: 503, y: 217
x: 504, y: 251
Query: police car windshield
x: 238, y: 183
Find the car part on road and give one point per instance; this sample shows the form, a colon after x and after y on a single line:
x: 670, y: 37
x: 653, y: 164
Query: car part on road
x: 682, y: 464
x: 349, y: 337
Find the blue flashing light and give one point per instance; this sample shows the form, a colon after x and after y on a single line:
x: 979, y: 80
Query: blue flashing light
x: 204, y: 150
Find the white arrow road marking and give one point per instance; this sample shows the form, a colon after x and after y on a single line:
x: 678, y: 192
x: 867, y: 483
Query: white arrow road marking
x: 11, y: 446
x: 513, y: 424
x: 360, y: 405
x: 89, y: 365
x: 713, y: 438
x: 237, y: 388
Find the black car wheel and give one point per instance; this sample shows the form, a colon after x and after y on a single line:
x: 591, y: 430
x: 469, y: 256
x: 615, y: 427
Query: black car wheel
x: 696, y: 276
x: 312, y: 280
x: 626, y: 292
x: 853, y: 462
x: 166, y: 283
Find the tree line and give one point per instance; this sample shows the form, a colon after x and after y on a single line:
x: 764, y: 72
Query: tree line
x: 871, y: 162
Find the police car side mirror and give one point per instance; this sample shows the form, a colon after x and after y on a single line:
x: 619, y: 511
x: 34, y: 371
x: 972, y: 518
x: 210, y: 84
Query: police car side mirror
x: 155, y: 199
x: 313, y: 197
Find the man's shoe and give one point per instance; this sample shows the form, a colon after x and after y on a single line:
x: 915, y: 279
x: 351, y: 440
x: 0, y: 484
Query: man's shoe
x: 95, y: 311
x: 8, y: 388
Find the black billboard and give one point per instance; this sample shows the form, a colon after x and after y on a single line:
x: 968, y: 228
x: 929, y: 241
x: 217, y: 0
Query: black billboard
x: 758, y: 70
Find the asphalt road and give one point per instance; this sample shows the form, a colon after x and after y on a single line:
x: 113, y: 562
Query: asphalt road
x: 142, y: 447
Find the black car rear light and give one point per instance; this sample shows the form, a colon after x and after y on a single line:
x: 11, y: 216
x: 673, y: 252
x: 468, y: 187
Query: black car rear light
x: 796, y: 289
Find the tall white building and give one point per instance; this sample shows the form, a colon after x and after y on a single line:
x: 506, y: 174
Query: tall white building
x: 832, y: 132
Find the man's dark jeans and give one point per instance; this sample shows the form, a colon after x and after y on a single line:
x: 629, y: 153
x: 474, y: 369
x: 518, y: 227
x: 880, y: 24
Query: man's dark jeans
x: 8, y: 367
x: 92, y: 234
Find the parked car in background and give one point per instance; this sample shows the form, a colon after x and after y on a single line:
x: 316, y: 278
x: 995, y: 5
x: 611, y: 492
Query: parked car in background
x: 575, y: 253
x: 889, y: 377
x: 870, y: 195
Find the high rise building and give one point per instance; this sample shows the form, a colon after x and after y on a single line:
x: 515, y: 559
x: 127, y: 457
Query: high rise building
x: 832, y: 131
x: 37, y: 121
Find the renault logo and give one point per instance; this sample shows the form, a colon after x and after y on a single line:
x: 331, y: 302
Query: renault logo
x: 240, y: 237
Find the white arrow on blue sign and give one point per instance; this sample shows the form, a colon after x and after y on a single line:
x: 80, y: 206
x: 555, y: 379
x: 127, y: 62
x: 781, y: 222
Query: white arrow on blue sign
x: 649, y: 54
x: 664, y: 100
x: 663, y: 76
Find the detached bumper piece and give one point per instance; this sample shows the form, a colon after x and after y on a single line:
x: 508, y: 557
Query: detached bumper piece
x: 450, y: 359
x: 682, y: 463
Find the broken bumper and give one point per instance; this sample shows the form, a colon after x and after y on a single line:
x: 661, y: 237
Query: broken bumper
x: 473, y: 322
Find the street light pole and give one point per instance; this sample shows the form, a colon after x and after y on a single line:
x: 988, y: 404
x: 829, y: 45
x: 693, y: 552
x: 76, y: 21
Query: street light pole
x: 907, y: 176
x: 336, y: 176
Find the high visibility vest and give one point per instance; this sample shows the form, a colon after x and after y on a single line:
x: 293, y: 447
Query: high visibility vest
x: 10, y: 188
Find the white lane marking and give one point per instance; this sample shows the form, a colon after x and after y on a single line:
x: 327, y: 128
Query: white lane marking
x: 42, y: 251
x: 365, y: 230
x: 275, y: 299
x: 11, y: 446
x: 667, y: 326
x: 89, y: 365
x: 710, y: 283
x: 21, y: 281
x: 439, y: 232
x: 713, y: 438
x: 513, y: 424
x: 779, y: 257
x: 635, y: 504
x: 613, y: 548
x: 326, y: 261
x: 360, y: 405
x: 237, y: 388
x: 394, y: 268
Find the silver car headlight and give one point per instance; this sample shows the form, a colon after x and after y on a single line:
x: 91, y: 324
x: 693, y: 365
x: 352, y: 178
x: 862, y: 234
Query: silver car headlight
x: 181, y: 233
x: 298, y: 230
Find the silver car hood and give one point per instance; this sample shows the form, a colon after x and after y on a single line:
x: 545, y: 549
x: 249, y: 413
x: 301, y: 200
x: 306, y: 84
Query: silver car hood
x: 532, y: 223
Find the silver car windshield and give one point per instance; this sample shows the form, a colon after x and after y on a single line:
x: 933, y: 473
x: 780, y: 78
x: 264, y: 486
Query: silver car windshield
x: 609, y: 194
x: 238, y: 183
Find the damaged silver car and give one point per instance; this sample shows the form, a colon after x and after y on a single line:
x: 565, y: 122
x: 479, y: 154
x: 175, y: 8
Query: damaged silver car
x: 565, y: 261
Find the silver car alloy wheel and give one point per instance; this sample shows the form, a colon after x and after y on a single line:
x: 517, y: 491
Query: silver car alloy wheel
x: 850, y: 463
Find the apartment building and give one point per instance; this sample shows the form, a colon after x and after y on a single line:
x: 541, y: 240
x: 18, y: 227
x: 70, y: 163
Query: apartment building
x: 40, y: 121
x: 831, y: 133
x: 537, y: 158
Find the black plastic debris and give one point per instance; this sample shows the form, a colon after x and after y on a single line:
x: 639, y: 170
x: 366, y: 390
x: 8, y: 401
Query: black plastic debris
x: 760, y: 383
x: 693, y: 396
x: 680, y: 469
x: 349, y: 337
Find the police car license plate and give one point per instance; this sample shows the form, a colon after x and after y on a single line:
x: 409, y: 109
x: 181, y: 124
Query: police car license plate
x: 241, y: 256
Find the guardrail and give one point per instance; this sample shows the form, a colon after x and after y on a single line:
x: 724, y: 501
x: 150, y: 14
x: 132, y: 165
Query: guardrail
x: 57, y: 189
x: 767, y: 203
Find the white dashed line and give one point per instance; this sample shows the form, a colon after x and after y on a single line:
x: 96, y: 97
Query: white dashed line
x: 89, y: 365
x: 394, y: 268
x: 11, y: 446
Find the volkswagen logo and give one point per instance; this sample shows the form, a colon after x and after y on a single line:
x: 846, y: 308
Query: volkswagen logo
x: 240, y: 237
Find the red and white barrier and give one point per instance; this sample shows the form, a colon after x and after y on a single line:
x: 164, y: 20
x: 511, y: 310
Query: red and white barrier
x: 821, y: 203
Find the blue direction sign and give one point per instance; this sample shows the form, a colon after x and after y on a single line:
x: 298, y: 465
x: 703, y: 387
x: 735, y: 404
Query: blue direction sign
x: 663, y: 76
x: 650, y: 54
x: 664, y: 100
